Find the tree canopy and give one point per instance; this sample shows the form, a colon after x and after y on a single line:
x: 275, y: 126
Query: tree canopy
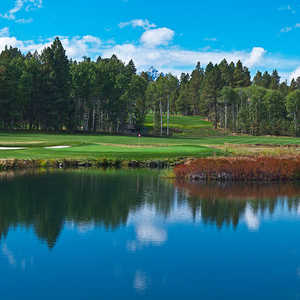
x: 50, y: 92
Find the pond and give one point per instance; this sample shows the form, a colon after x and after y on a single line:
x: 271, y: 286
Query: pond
x: 131, y: 234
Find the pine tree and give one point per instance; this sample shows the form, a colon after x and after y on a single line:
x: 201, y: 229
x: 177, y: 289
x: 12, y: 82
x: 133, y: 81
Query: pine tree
x: 275, y: 80
x: 226, y: 73
x: 241, y: 76
x: 57, y: 87
x: 194, y: 86
x: 211, y: 89
x: 266, y: 80
x: 257, y: 80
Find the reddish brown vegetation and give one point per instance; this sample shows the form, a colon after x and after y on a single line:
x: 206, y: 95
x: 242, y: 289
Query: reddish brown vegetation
x: 241, y: 168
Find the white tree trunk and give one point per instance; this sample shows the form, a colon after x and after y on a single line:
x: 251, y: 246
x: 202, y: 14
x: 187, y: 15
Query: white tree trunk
x: 226, y: 116
x: 168, y: 117
x: 161, y: 118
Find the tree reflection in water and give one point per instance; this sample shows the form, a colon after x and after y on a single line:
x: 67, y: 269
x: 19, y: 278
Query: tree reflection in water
x: 46, y: 201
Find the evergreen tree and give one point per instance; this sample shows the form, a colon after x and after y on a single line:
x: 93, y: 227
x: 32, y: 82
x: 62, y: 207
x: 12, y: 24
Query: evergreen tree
x: 195, y: 86
x: 57, y: 86
x: 241, y: 76
x: 275, y: 80
x: 211, y: 88
x: 226, y: 73
x: 257, y: 80
x: 266, y: 80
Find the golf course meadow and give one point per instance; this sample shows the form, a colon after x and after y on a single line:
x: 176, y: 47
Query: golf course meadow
x: 193, y: 137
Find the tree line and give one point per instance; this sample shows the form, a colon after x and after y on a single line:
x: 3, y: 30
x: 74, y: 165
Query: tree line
x: 50, y: 92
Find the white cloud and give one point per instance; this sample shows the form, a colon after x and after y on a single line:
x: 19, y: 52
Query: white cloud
x: 138, y: 23
x: 175, y: 58
x: 210, y: 39
x: 157, y: 37
x: 19, y: 5
x: 256, y: 55
x: 287, y: 8
x: 4, y: 32
x: 24, y: 21
x: 149, y: 52
x: 290, y: 28
x: 77, y: 47
x: 295, y: 74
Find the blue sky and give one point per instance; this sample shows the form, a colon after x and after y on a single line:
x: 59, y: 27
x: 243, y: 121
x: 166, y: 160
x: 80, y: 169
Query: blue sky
x: 171, y: 35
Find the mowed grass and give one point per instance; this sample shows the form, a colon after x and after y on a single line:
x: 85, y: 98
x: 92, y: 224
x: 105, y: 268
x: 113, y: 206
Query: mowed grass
x: 98, y: 147
x: 192, y: 126
x: 122, y: 147
x: 82, y: 146
x: 181, y: 122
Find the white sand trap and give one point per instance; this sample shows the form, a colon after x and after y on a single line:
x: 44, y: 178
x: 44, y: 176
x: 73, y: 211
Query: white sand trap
x: 58, y: 147
x: 11, y: 148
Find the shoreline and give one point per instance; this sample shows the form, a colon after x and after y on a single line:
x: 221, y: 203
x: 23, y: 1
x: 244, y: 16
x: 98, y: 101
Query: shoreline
x: 21, y: 164
x: 215, y: 169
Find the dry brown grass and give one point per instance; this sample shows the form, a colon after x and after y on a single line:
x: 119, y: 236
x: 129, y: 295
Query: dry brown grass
x: 254, y: 150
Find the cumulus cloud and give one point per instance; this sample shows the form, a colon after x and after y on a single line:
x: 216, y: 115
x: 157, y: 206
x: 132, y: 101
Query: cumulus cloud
x: 76, y: 47
x: 174, y: 58
x: 153, y: 50
x: 256, y: 55
x: 157, y: 37
x: 19, y: 5
x: 138, y: 23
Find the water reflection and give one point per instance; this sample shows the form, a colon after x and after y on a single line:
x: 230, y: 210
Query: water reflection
x: 225, y: 203
x: 84, y: 200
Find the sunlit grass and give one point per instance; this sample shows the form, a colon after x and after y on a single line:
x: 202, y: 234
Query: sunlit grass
x: 196, y: 138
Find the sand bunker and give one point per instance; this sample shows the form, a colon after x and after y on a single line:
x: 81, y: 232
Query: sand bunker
x: 58, y: 147
x: 11, y: 148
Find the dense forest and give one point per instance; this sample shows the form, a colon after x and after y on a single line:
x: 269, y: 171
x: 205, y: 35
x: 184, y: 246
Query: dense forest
x: 50, y: 92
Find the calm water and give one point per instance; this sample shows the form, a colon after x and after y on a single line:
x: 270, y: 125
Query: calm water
x: 131, y: 235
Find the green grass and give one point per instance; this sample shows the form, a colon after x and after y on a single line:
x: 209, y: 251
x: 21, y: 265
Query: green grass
x: 193, y: 141
x: 192, y: 126
x: 96, y: 147
x: 181, y: 122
